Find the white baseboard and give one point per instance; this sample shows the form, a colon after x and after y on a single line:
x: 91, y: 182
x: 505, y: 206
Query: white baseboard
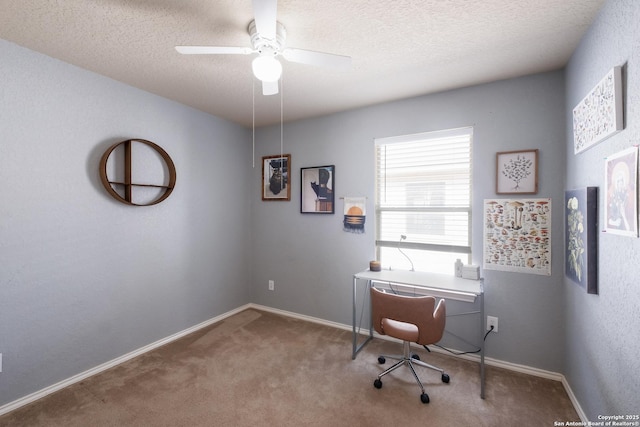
x: 472, y: 357
x: 100, y: 368
x: 574, y: 401
x: 103, y: 367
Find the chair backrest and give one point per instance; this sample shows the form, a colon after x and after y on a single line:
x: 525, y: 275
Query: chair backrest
x: 418, y: 311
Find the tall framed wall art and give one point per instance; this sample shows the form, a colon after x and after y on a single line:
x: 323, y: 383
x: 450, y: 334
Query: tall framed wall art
x: 317, y: 188
x: 581, y: 237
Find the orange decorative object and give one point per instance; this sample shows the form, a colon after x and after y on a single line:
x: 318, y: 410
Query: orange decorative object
x: 354, y: 210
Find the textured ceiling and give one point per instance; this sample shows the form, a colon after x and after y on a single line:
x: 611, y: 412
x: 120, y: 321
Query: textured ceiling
x: 400, y: 48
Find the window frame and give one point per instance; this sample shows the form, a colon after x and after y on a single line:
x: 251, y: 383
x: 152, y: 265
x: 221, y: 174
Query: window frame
x: 400, y: 244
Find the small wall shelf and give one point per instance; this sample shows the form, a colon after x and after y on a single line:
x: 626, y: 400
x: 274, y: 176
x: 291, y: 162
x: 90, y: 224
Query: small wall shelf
x: 127, y: 185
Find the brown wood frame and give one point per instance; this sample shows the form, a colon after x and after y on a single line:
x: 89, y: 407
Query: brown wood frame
x: 515, y: 163
x: 128, y: 185
x: 269, y: 183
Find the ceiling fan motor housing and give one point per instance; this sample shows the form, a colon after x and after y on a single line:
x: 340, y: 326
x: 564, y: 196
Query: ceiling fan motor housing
x: 265, y: 45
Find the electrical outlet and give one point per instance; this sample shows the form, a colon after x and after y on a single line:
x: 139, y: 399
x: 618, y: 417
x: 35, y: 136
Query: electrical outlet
x: 492, y: 321
x: 271, y: 285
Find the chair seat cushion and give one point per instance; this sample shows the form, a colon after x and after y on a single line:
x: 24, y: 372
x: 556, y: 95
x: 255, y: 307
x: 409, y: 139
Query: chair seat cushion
x: 401, y: 330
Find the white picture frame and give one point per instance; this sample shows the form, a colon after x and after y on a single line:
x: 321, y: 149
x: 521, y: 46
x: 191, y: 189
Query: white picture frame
x: 517, y: 235
x: 621, y: 193
x: 599, y: 115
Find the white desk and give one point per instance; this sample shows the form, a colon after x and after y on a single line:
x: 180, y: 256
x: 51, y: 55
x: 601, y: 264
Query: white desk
x: 423, y: 283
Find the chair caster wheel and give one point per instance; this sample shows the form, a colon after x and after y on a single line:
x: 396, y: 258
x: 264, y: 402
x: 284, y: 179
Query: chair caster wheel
x: 381, y: 360
x: 424, y: 397
x: 445, y: 378
x: 415, y: 356
x: 378, y: 384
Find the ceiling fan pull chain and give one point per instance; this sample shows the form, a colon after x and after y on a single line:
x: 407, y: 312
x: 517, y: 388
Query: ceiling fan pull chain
x: 253, y: 123
x: 281, y: 114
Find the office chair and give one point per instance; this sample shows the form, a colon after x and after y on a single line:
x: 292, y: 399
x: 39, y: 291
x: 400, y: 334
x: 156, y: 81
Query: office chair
x: 411, y: 319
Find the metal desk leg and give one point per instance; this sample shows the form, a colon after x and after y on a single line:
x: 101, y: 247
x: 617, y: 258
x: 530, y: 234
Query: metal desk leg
x: 482, y: 332
x: 357, y: 348
x: 353, y: 320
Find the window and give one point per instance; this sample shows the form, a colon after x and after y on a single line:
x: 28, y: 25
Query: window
x: 423, y: 200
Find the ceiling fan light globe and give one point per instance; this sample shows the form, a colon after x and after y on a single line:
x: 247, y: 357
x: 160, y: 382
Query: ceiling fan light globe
x: 266, y: 68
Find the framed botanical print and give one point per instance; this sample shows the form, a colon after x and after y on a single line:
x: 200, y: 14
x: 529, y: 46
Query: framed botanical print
x: 517, y: 172
x: 275, y: 181
x: 581, y: 237
x: 317, y: 189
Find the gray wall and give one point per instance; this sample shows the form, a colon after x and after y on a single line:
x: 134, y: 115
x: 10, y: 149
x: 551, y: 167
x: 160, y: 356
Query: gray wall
x: 84, y: 278
x: 603, y: 331
x: 312, y: 260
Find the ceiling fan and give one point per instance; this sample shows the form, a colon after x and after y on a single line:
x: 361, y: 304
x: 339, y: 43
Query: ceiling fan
x: 267, y: 37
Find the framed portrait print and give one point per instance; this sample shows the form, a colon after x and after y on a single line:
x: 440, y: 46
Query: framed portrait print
x: 621, y: 193
x: 275, y: 177
x: 517, y: 172
x: 317, y: 189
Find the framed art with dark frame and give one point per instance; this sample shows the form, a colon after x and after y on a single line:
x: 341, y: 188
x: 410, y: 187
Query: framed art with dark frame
x: 517, y: 172
x: 581, y: 237
x: 275, y: 181
x: 317, y: 189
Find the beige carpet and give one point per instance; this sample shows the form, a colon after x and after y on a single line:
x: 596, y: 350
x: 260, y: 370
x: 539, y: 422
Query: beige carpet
x: 258, y: 368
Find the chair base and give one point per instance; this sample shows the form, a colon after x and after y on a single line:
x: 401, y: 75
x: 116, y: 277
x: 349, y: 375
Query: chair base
x: 408, y: 359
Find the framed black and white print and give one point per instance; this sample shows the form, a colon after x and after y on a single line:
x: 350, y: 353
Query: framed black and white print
x: 317, y: 189
x: 275, y: 177
x: 517, y: 172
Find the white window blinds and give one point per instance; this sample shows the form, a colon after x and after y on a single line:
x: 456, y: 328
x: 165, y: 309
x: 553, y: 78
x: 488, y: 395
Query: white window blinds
x: 423, y: 198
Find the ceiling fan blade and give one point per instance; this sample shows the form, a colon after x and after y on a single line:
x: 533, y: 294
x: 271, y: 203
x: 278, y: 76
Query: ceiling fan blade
x: 270, y: 88
x: 213, y: 50
x: 265, y: 15
x: 317, y: 58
